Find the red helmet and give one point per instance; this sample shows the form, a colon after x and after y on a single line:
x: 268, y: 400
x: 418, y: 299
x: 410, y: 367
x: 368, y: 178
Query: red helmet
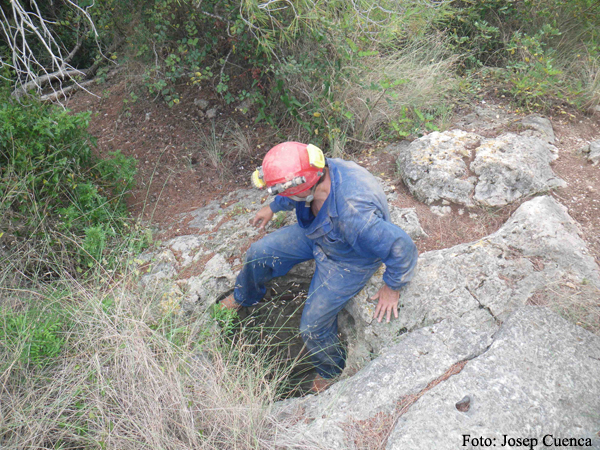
x: 290, y: 168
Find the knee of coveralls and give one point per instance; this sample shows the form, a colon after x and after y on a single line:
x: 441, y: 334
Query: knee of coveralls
x: 272, y: 256
x: 333, y: 285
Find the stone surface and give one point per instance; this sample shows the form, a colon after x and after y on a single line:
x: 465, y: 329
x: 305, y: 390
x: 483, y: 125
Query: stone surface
x: 471, y: 170
x: 433, y: 167
x: 406, y: 218
x: 201, y: 103
x: 163, y: 266
x: 537, y: 126
x: 404, y: 369
x: 485, y: 117
x: 216, y: 280
x: 512, y: 167
x: 482, y: 282
x: 441, y: 210
x: 211, y: 113
x: 540, y: 377
x: 592, y: 152
x: 532, y: 378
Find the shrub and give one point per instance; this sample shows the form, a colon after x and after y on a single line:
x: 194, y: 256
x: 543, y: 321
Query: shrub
x: 35, y: 337
x: 314, y: 65
x: 547, y: 48
x: 53, y: 189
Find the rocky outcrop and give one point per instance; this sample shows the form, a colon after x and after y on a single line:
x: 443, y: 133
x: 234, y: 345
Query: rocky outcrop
x: 482, y: 282
x: 531, y: 379
x: 472, y: 170
x: 468, y: 355
x: 477, y: 283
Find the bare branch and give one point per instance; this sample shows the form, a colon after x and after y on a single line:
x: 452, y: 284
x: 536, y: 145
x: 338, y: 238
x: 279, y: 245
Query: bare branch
x: 38, y: 58
x: 73, y: 53
x: 48, y: 78
x: 65, y: 92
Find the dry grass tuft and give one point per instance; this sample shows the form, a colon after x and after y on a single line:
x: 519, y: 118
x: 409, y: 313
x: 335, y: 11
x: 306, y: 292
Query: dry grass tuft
x: 577, y: 302
x: 130, y: 377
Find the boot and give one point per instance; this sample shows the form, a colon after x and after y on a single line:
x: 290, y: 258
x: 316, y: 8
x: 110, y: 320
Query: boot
x: 229, y: 303
x: 320, y: 384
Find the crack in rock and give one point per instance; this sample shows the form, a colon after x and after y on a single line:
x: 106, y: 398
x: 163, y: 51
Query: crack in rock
x: 482, y: 305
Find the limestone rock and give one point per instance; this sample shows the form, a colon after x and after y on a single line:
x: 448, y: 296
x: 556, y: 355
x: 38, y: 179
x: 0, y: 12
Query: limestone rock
x: 201, y: 103
x: 592, y: 152
x: 162, y: 267
x: 531, y: 378
x: 483, y: 281
x: 486, y: 117
x: 216, y: 279
x: 512, y: 167
x: 538, y: 127
x: 434, y: 168
x: 406, y: 368
x: 534, y: 381
x: 468, y: 169
x: 211, y: 113
x: 406, y: 218
x: 186, y: 246
x: 441, y: 210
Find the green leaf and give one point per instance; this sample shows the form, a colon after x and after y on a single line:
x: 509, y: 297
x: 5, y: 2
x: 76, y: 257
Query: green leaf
x: 352, y: 45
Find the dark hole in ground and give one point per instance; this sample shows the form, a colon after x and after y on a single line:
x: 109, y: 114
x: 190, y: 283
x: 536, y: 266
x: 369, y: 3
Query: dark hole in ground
x: 273, y: 325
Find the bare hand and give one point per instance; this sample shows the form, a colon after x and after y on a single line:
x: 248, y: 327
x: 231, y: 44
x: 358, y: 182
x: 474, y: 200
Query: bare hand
x: 388, y: 302
x: 262, y: 217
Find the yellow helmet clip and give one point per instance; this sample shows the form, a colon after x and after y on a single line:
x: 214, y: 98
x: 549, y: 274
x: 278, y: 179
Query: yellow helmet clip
x: 257, y: 179
x: 315, y: 156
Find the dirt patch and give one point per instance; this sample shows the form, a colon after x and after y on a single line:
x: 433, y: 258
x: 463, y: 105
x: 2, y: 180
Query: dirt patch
x: 581, y: 196
x: 176, y: 173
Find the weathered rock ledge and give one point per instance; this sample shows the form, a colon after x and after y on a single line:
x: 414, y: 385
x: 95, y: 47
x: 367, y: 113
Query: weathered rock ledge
x: 482, y: 282
x: 537, y: 375
x: 469, y: 169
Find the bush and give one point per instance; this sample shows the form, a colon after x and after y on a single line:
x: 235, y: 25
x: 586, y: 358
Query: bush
x: 548, y: 49
x: 328, y: 68
x: 35, y: 337
x: 53, y: 190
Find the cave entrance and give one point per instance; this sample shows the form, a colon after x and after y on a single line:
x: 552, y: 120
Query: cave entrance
x: 272, y: 327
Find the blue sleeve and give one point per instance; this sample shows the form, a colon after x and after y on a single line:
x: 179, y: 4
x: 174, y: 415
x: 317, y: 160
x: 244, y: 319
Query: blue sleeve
x: 282, y: 204
x: 392, y: 245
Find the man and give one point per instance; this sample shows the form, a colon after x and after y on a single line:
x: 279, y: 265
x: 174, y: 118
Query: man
x: 344, y: 224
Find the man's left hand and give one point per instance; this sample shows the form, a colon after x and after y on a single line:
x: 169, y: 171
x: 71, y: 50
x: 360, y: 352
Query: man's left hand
x: 388, y: 302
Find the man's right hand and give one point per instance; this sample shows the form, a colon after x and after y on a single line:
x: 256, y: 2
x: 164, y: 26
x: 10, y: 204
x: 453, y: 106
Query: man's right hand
x: 262, y: 217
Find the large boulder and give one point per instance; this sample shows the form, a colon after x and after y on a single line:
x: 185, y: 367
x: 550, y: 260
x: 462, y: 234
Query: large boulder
x: 434, y: 168
x: 482, y: 282
x: 472, y: 170
x: 538, y: 376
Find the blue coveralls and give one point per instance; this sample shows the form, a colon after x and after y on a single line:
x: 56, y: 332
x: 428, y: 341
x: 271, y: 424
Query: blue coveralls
x: 349, y: 239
